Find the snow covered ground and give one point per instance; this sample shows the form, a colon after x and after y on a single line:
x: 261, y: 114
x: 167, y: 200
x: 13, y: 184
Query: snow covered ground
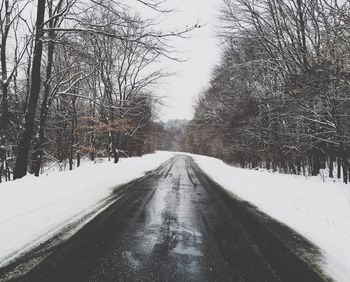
x: 35, y: 209
x: 318, y: 210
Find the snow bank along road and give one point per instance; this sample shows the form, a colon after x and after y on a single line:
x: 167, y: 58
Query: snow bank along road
x: 174, y: 224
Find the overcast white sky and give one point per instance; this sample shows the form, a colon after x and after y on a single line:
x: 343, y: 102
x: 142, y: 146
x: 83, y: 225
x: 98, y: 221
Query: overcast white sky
x: 201, y: 51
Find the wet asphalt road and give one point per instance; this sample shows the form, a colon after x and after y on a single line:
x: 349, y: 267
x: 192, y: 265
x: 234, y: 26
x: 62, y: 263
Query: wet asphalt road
x: 170, y: 225
x: 173, y: 238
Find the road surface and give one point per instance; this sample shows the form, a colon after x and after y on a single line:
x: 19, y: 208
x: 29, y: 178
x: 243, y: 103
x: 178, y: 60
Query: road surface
x: 174, y: 224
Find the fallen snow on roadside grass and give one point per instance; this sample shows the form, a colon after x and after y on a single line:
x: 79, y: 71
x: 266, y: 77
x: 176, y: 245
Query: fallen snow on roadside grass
x: 320, y: 211
x: 33, y: 210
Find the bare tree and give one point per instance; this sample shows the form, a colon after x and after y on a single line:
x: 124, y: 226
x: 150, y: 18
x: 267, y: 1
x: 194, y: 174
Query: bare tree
x: 10, y: 16
x: 279, y: 99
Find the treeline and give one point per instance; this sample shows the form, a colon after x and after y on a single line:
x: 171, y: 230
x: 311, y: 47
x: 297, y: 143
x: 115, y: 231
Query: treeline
x: 169, y: 134
x: 280, y: 98
x: 77, y: 81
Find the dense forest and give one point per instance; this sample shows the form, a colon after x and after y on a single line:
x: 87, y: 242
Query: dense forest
x: 76, y: 80
x: 169, y: 135
x: 280, y: 98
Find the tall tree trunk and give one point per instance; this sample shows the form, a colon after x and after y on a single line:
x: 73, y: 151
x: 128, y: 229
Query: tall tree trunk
x: 315, y: 164
x: 72, y: 133
x: 344, y: 162
x: 70, y: 158
x: 345, y: 169
x: 2, y: 158
x: 339, y: 168
x: 302, y: 30
x: 20, y: 169
x: 38, y: 151
x: 331, y: 167
x: 3, y: 61
x: 114, y: 149
x: 4, y: 88
x: 92, y: 136
x: 78, y: 158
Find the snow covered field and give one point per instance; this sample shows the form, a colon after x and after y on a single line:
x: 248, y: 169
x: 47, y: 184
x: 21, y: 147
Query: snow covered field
x: 35, y: 209
x: 318, y: 210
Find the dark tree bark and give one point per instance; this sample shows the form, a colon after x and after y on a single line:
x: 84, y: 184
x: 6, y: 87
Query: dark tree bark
x: 302, y: 29
x: 345, y: 169
x: 20, y: 169
x: 72, y: 134
x: 78, y: 159
x: 331, y: 167
x: 4, y: 79
x: 4, y: 88
x: 38, y: 151
x: 115, y: 153
x: 339, y: 168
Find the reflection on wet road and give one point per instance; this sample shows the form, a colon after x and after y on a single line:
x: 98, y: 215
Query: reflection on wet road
x: 166, y: 241
x: 169, y: 240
